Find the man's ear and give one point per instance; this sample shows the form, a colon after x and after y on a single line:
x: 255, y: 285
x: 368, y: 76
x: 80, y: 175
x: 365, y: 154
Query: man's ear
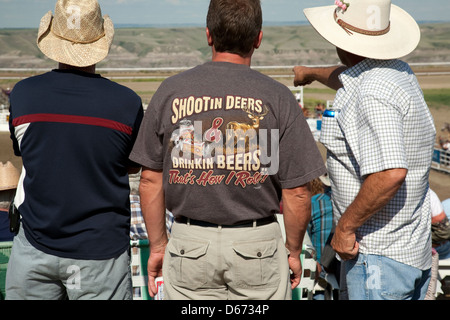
x: 258, y: 40
x: 209, y: 38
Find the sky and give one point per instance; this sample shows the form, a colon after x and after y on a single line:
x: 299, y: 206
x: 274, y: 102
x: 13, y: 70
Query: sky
x: 27, y: 13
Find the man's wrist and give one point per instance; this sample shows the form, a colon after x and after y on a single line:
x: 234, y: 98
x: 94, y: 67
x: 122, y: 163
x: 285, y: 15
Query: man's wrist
x: 294, y: 252
x: 344, y: 227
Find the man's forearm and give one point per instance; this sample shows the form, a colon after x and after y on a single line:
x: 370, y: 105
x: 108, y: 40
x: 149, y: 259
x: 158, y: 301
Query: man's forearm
x: 297, y: 214
x: 154, y: 213
x: 376, y: 192
x: 153, y: 208
x: 328, y: 76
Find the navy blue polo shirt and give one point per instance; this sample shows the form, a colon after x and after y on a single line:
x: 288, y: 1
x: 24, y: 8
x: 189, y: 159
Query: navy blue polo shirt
x: 74, y: 132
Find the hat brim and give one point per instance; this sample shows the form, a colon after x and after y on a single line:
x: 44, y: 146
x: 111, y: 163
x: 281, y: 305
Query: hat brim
x: 9, y: 176
x: 402, y: 38
x: 74, y: 54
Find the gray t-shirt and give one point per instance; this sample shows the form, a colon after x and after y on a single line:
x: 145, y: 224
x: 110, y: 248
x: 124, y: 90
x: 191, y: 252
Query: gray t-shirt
x: 228, y: 140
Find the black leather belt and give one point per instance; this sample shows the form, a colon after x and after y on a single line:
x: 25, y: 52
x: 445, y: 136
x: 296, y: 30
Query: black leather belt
x: 243, y: 224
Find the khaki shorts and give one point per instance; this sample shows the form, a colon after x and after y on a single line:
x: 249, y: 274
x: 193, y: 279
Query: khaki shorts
x: 214, y: 263
x: 35, y: 275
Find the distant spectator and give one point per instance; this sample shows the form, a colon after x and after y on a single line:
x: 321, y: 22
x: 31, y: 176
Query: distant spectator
x: 440, y: 225
x: 9, y: 178
x: 320, y: 108
x: 444, y: 140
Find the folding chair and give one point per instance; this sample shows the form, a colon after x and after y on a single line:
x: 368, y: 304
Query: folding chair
x: 5, y: 253
x: 305, y: 289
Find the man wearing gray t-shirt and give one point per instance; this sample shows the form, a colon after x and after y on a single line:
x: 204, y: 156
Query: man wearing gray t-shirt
x: 221, y: 146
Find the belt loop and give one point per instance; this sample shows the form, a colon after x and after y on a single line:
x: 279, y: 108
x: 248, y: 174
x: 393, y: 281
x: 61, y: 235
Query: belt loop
x: 188, y: 221
x: 254, y: 223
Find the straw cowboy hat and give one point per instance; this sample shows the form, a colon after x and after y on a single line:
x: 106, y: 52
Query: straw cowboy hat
x: 373, y: 29
x: 325, y: 179
x: 9, y: 176
x: 77, y: 34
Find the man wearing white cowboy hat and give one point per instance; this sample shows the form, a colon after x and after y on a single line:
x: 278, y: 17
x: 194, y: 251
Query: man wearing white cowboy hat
x: 74, y: 130
x: 379, y: 137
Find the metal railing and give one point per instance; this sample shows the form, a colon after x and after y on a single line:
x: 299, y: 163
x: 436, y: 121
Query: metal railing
x: 441, y: 159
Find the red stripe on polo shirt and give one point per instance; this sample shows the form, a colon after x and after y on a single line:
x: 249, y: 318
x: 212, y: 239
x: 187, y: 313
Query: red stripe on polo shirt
x: 62, y: 118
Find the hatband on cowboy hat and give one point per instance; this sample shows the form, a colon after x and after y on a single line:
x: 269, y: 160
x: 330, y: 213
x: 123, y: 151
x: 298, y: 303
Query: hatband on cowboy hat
x: 373, y: 29
x: 9, y: 176
x: 77, y: 34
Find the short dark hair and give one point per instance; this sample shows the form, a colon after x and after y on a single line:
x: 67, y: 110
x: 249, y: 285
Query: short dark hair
x: 234, y: 25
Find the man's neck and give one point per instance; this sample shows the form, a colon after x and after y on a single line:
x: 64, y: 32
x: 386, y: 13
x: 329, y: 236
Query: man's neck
x: 232, y: 58
x: 89, y: 69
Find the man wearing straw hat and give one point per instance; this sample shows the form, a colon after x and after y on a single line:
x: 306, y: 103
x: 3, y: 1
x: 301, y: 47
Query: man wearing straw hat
x: 9, y: 177
x: 74, y: 130
x: 380, y: 137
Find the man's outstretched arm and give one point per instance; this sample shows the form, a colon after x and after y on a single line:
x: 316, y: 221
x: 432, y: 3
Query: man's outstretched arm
x: 328, y: 76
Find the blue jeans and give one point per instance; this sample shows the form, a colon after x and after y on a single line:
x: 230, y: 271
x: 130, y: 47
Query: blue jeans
x: 373, y: 277
x: 444, y: 250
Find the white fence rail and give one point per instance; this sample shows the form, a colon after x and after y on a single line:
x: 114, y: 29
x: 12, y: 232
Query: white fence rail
x: 441, y: 159
x: 4, y: 119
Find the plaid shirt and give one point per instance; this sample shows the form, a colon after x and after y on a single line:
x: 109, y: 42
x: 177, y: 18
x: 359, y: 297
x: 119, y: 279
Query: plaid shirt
x: 383, y: 123
x: 137, y: 227
x: 138, y: 230
x: 321, y: 224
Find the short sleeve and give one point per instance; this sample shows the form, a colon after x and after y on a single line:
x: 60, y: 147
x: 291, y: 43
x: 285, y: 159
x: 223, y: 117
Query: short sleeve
x: 148, y: 148
x: 300, y: 159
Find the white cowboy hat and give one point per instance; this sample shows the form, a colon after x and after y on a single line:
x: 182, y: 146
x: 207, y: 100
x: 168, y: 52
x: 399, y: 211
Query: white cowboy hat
x: 373, y: 29
x: 9, y: 176
x: 77, y: 34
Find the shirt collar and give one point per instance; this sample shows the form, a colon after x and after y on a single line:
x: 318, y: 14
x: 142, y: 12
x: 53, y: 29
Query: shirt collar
x: 352, y: 76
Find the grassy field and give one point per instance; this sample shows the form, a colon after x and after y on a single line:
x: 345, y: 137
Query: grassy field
x: 437, y: 98
x: 185, y: 47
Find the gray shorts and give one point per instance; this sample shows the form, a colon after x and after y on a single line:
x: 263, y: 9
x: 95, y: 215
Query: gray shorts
x: 35, y: 275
